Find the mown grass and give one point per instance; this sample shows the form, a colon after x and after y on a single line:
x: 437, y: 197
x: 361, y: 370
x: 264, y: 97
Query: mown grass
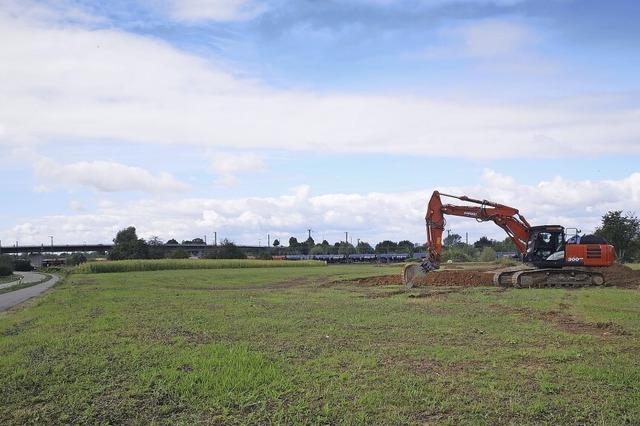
x: 300, y: 345
x: 177, y: 264
x: 634, y: 265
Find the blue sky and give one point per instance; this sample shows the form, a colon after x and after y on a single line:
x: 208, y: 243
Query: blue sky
x: 250, y: 117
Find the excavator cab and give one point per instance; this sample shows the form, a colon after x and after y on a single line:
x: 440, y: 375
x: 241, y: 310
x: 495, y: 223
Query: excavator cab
x: 545, y: 248
x: 548, y: 247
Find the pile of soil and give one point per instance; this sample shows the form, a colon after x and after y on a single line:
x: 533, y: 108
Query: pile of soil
x: 436, y: 278
x: 616, y: 275
x: 620, y: 276
x: 383, y: 280
x: 455, y: 277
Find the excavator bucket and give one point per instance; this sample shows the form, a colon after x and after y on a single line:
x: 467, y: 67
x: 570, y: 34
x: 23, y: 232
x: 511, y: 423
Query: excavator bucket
x: 411, y: 273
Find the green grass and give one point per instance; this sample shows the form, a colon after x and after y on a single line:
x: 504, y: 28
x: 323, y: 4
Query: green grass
x: 301, y: 345
x: 175, y: 264
x: 634, y: 265
x: 8, y: 279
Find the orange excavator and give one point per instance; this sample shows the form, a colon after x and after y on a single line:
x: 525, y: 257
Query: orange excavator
x: 550, y: 259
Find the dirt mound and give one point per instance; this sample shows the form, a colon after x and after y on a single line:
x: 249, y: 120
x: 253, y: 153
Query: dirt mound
x: 616, y: 275
x: 383, y: 280
x: 436, y: 278
x: 620, y: 276
x: 456, y: 277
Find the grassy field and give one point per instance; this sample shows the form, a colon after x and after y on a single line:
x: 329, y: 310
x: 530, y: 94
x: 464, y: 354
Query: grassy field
x: 301, y: 345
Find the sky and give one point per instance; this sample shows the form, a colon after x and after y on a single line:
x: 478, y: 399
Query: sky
x: 251, y: 118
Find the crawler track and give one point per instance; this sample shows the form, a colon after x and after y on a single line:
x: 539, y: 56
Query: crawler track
x: 544, y: 278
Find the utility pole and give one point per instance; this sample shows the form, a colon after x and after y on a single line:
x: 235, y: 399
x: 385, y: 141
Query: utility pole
x: 215, y: 238
x: 466, y: 238
x: 309, y: 230
x: 268, y: 240
x: 205, y: 240
x: 346, y: 237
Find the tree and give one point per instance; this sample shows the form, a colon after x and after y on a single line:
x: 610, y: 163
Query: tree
x: 452, y: 240
x: 325, y: 243
x: 483, y: 242
x: 197, y: 241
x: 178, y: 254
x: 155, y: 248
x: 405, y: 246
x: 6, y: 266
x: 364, y: 248
x: 346, y: 248
x: 487, y: 255
x: 226, y: 250
x: 22, y: 265
x: 623, y: 232
x: 460, y: 253
x: 172, y: 241
x: 293, y: 242
x: 505, y: 245
x: 128, y: 246
x: 319, y: 249
x: 386, y: 246
x: 276, y: 243
x: 76, y: 259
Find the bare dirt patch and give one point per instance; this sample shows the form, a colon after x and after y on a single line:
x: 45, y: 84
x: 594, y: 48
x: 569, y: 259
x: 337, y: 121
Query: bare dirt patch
x: 566, y: 322
x: 434, y: 278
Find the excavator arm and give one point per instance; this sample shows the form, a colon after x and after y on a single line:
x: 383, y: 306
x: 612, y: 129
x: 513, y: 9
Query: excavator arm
x: 508, y: 218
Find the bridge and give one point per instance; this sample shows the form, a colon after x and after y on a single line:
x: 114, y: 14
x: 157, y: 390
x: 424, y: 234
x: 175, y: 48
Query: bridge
x: 84, y: 248
x: 36, y: 253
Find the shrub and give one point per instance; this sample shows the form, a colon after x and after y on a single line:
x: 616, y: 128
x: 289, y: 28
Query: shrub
x: 178, y: 254
x: 226, y: 250
x: 265, y: 256
x: 459, y: 253
x: 487, y: 255
x: 6, y: 266
x: 22, y: 265
x: 76, y: 259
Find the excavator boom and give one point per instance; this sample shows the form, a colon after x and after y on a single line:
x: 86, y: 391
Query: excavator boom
x: 508, y: 218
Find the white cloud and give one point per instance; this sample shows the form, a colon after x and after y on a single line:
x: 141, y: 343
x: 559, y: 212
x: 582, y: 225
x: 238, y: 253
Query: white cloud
x: 214, y: 10
x: 492, y: 38
x: 60, y: 83
x: 104, y: 176
x: 369, y: 216
x: 229, y: 165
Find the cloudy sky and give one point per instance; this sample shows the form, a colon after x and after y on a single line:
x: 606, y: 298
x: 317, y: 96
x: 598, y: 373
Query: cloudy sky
x: 256, y: 117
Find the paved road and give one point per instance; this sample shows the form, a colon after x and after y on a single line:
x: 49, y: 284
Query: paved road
x: 12, y: 298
